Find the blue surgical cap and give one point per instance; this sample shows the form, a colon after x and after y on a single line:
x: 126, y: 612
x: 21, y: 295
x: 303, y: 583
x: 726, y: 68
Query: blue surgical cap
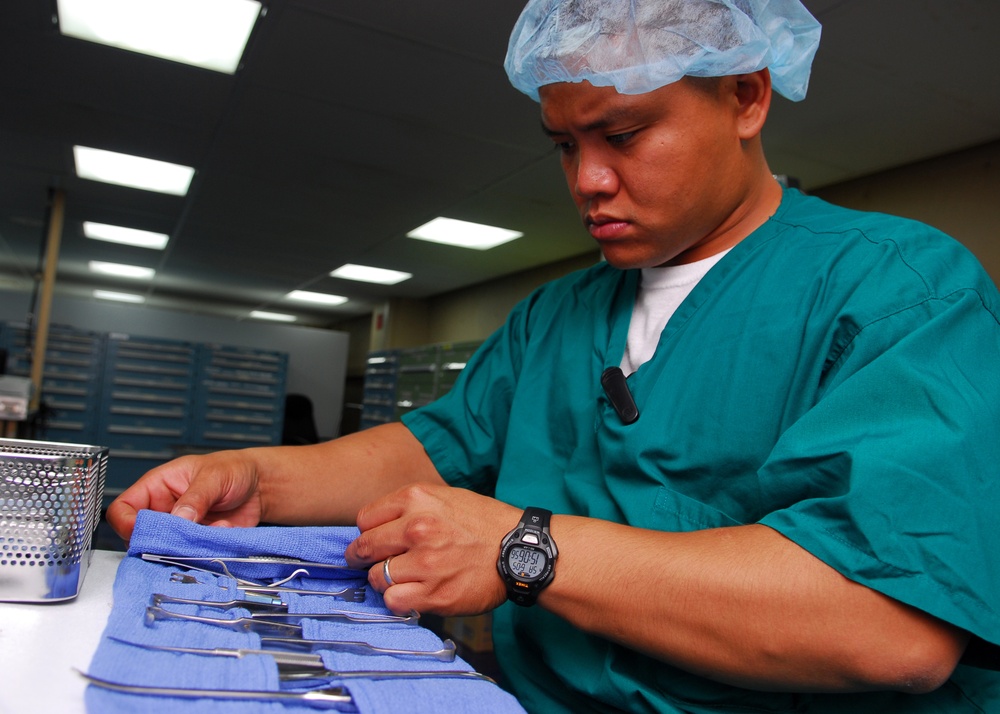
x: 637, y: 46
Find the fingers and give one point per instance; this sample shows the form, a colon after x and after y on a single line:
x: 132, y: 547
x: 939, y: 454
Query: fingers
x: 441, y: 544
x: 149, y: 492
x: 395, y: 524
x: 400, y: 593
x: 217, y: 489
x: 121, y: 517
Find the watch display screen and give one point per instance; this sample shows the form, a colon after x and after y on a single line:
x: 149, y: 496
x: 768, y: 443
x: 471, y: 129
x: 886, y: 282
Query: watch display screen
x: 526, y: 562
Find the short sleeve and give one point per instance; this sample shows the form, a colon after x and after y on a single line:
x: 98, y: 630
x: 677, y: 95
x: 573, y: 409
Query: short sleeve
x: 903, y: 446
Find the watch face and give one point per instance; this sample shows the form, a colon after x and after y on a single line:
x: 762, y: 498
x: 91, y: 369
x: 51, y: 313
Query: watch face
x: 526, y: 562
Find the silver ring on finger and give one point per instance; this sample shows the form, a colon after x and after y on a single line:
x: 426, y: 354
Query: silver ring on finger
x: 385, y: 571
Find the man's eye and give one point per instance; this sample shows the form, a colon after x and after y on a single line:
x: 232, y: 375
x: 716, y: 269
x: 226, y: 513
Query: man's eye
x: 565, y: 147
x: 619, y: 139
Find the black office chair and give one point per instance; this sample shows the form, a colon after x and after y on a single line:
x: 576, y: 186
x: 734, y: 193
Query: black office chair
x: 300, y: 425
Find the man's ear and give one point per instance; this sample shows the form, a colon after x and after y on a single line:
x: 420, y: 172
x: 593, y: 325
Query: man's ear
x: 753, y: 98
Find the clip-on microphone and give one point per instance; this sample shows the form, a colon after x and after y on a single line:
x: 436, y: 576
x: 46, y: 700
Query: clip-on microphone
x: 615, y: 386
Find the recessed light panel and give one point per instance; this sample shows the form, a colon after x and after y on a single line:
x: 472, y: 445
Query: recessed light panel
x: 367, y: 274
x: 316, y: 298
x: 119, y: 297
x: 205, y: 33
x: 132, y: 171
x: 125, y: 236
x: 274, y: 316
x: 463, y: 234
x: 121, y: 271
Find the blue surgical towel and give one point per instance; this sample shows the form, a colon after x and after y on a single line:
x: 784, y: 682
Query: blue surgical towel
x: 138, y: 579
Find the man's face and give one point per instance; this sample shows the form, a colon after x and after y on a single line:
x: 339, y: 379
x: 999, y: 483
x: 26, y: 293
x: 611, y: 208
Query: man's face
x: 657, y: 177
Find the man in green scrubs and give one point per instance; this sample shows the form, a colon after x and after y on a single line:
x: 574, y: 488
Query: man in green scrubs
x: 796, y: 510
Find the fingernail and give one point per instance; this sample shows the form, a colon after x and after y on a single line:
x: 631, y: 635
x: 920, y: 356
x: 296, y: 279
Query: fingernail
x: 185, y: 512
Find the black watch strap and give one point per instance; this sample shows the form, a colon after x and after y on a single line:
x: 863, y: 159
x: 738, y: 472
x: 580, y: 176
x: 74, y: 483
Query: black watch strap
x: 536, y: 519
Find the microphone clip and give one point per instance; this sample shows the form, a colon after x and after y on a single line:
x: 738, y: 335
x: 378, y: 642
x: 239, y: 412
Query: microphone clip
x: 616, y: 388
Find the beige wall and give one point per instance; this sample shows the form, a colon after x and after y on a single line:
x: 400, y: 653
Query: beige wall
x: 474, y: 313
x: 359, y: 332
x: 958, y: 193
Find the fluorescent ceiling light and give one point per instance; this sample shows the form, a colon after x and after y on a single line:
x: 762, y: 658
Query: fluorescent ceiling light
x: 126, y: 236
x: 120, y: 297
x: 276, y: 316
x: 367, y: 274
x: 318, y: 298
x: 464, y: 234
x: 205, y: 33
x: 132, y: 171
x: 122, y: 271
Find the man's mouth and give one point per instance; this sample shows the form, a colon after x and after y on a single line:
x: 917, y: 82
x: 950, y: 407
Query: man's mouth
x: 603, y: 227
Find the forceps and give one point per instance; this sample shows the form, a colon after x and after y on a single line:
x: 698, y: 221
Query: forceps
x: 275, y: 622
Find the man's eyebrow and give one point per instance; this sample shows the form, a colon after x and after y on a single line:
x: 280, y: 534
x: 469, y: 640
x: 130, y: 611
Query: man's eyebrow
x: 600, y: 123
x: 548, y: 132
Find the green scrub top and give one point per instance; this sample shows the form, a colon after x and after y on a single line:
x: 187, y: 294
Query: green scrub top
x: 835, y: 377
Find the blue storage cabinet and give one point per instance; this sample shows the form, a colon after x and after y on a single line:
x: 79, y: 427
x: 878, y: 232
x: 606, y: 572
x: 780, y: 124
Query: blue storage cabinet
x: 146, y: 404
x: 71, y: 379
x: 378, y: 401
x: 240, y: 397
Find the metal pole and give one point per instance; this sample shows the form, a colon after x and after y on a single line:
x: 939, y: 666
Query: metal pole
x: 48, y: 283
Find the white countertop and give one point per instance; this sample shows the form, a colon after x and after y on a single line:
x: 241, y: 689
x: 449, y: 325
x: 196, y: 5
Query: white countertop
x: 41, y: 644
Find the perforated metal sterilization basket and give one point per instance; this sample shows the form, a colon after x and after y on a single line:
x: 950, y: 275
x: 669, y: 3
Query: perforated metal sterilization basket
x: 50, y: 505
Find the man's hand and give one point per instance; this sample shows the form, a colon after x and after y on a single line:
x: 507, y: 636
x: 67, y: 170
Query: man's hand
x: 444, y: 544
x: 219, y: 489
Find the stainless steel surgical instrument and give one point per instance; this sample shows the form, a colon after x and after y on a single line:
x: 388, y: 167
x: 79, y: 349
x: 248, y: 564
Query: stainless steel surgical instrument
x: 326, y: 698
x: 278, y: 622
x: 445, y: 654
x: 296, y: 563
x: 263, y: 604
x: 302, y: 666
x: 297, y: 659
x: 350, y: 594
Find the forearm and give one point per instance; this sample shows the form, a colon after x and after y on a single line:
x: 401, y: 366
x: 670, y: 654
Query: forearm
x: 744, y: 606
x: 328, y: 483
x: 296, y: 485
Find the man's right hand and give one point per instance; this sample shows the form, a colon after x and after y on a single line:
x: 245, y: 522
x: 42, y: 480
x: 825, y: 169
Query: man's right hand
x: 219, y: 489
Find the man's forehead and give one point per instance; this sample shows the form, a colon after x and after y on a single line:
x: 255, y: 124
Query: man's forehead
x: 582, y: 107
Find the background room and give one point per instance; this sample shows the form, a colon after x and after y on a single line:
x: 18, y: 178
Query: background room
x: 326, y: 143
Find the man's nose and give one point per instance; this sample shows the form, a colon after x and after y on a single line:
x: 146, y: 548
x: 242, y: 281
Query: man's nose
x: 594, y: 176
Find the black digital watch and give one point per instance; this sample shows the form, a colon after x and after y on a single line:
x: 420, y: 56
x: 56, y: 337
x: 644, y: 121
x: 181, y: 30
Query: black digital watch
x: 527, y: 557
